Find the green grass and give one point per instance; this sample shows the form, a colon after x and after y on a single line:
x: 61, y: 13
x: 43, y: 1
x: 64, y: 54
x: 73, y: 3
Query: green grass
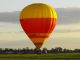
x: 60, y: 56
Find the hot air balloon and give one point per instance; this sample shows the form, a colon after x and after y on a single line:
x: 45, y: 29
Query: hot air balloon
x: 38, y: 21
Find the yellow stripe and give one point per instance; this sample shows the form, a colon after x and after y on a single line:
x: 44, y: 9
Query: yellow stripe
x: 38, y: 11
x: 39, y: 40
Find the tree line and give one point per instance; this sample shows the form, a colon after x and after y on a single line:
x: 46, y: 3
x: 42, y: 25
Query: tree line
x: 39, y: 51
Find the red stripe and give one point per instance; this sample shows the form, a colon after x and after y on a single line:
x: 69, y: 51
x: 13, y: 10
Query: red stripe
x: 38, y: 25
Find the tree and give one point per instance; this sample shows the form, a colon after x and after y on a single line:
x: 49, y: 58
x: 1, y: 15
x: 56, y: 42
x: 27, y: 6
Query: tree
x: 45, y: 51
x: 58, y: 49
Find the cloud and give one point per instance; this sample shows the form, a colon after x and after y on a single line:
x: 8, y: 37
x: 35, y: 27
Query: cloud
x: 65, y: 16
x: 68, y: 15
x: 67, y: 28
x: 16, y: 44
x: 12, y: 17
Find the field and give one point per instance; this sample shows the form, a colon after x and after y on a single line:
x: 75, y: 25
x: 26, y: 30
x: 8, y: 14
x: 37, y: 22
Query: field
x: 60, y: 56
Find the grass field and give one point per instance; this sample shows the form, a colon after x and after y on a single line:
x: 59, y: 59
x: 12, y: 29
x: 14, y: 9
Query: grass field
x: 60, y: 56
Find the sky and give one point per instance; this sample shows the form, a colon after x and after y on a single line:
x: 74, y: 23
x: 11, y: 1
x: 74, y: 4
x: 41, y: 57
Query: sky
x: 64, y: 35
x: 17, y: 5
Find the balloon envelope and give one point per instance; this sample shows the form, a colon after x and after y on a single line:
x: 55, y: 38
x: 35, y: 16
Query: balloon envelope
x: 38, y: 21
